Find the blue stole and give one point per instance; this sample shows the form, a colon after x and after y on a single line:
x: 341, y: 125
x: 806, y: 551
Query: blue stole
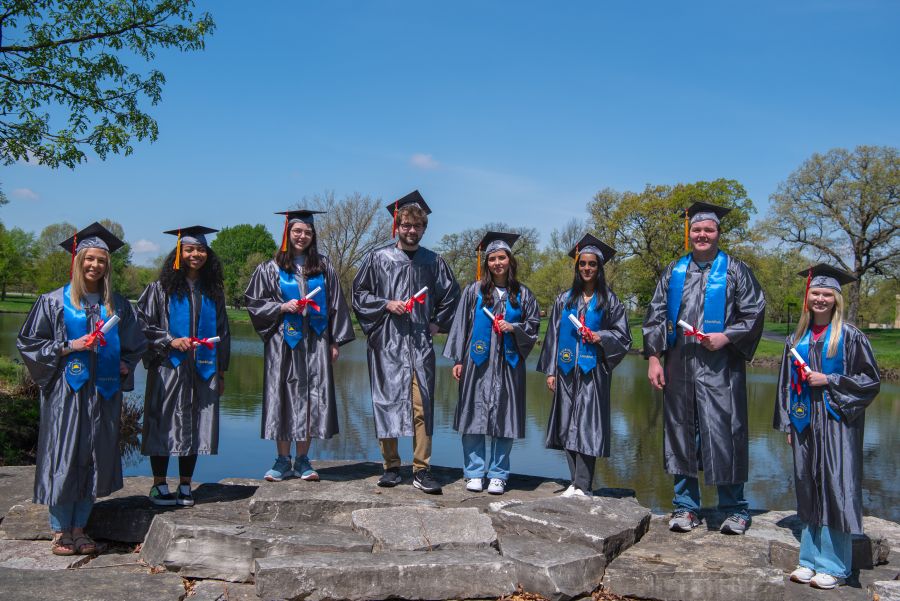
x: 713, y: 299
x: 78, y: 364
x: 569, y: 339
x: 180, y: 327
x: 481, y: 334
x: 799, y: 412
x: 293, y: 322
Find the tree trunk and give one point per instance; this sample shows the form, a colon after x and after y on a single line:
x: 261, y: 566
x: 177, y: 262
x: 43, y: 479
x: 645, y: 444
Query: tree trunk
x: 853, y: 303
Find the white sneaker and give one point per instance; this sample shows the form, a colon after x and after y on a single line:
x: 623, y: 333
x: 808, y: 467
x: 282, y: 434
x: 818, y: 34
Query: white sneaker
x: 474, y: 484
x: 582, y: 493
x: 802, y: 575
x: 569, y: 491
x: 825, y: 581
x: 497, y: 486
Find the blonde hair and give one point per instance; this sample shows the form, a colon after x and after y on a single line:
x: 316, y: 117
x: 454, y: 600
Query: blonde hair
x: 837, y: 323
x: 78, y: 289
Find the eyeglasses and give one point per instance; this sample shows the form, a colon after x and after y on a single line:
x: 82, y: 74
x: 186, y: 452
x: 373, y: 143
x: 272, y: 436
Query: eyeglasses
x: 411, y: 226
x: 302, y: 233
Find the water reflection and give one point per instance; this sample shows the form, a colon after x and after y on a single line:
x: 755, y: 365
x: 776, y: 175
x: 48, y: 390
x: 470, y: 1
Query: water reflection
x: 637, y: 453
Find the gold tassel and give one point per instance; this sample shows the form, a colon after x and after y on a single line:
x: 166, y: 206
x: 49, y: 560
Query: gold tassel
x: 478, y: 266
x: 687, y: 227
x: 284, y: 235
x: 576, y: 256
x: 394, y: 222
x: 177, y: 264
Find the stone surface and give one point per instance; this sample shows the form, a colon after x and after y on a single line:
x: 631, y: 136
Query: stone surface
x: 697, y: 566
x: 425, y: 529
x: 195, y: 546
x: 35, y: 555
x: 16, y: 485
x: 559, y: 571
x: 454, y: 574
x: 89, y: 585
x: 216, y: 590
x: 607, y: 524
x: 885, y: 590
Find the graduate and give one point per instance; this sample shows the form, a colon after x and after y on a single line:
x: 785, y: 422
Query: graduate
x: 80, y: 343
x: 704, y: 321
x: 489, y: 362
x: 183, y: 317
x: 298, y: 309
x: 403, y: 294
x: 828, y: 378
x: 578, y: 363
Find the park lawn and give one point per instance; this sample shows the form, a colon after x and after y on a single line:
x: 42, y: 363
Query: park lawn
x: 17, y: 304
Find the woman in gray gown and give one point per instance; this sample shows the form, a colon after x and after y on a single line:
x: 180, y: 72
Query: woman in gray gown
x: 183, y: 316
x: 298, y: 309
x: 488, y: 357
x: 578, y: 363
x: 81, y: 371
x: 823, y: 392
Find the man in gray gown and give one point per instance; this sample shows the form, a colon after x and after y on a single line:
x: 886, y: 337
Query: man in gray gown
x: 399, y: 316
x: 706, y: 319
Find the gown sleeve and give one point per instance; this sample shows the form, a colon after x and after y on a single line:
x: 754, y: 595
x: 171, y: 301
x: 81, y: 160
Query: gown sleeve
x: 456, y: 349
x: 151, y: 308
x: 654, y: 328
x: 850, y: 393
x: 615, y: 338
x: 263, y: 303
x: 340, y: 327
x: 368, y: 307
x: 223, y: 330
x: 526, y: 332
x: 40, y: 342
x: 547, y: 361
x: 446, y: 296
x: 781, y: 420
x: 746, y: 324
x: 133, y: 343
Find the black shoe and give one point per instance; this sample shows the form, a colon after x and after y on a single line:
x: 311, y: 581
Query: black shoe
x: 160, y: 495
x: 184, y: 496
x: 424, y: 481
x: 390, y: 478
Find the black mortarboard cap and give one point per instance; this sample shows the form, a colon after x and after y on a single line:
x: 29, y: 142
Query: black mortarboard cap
x: 195, y: 234
x: 412, y: 198
x: 493, y: 241
x: 826, y: 276
x: 701, y: 211
x: 304, y: 215
x: 592, y: 245
x: 93, y: 236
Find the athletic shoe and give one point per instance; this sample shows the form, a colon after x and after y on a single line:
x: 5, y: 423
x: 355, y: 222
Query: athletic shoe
x: 160, y: 495
x: 497, y: 486
x: 304, y: 469
x: 281, y: 469
x: 826, y: 581
x: 735, y: 524
x: 424, y: 481
x: 581, y: 493
x: 683, y: 520
x: 474, y: 484
x: 802, y: 575
x: 390, y: 478
x: 185, y: 498
x: 569, y: 491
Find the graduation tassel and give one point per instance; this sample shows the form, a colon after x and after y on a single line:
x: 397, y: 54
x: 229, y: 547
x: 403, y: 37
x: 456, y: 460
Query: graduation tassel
x: 576, y: 256
x: 687, y: 227
x: 478, y: 266
x: 72, y: 264
x: 177, y: 264
x: 284, y: 235
x: 806, y: 292
x: 394, y: 222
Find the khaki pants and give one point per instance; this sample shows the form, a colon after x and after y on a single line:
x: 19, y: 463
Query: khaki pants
x: 421, y: 440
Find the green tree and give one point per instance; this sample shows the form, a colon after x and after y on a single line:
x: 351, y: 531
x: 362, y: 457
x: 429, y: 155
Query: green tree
x: 845, y: 208
x: 52, y: 271
x: 120, y: 260
x: 235, y: 245
x: 52, y: 235
x: 776, y: 270
x: 65, y: 84
x: 17, y: 253
x: 460, y: 250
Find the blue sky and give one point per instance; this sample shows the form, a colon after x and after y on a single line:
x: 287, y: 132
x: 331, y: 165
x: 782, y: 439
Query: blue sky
x: 516, y: 111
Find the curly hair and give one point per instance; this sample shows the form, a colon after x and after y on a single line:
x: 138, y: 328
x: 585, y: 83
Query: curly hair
x: 487, y: 282
x: 212, y: 277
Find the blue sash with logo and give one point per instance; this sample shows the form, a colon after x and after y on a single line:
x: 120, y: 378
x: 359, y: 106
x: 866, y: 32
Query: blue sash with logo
x: 713, y: 299
x: 481, y: 334
x: 78, y: 364
x: 569, y: 340
x: 293, y: 322
x: 834, y: 365
x: 180, y: 327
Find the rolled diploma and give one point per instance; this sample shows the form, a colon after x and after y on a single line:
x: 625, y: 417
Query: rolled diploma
x: 214, y: 339
x: 806, y: 368
x: 488, y: 313
x: 310, y: 295
x: 108, y: 324
x: 575, y: 321
x: 688, y: 326
x: 421, y: 292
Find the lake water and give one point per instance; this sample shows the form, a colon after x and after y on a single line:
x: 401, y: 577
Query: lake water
x: 636, y: 460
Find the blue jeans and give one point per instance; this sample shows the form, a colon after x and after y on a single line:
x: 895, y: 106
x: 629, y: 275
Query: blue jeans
x: 65, y: 516
x: 731, y: 496
x: 474, y: 456
x: 826, y: 550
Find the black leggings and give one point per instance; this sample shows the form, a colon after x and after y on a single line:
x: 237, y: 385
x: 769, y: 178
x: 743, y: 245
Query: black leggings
x: 186, y: 465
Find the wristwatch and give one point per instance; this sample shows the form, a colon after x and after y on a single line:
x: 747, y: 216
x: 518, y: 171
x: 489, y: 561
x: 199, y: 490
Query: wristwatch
x: 66, y: 344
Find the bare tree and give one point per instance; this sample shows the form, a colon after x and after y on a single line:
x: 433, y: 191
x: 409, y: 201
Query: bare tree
x: 460, y: 249
x: 845, y: 207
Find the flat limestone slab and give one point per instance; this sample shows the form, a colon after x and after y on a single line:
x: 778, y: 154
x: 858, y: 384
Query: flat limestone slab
x: 88, y: 585
x: 35, y: 555
x: 454, y: 574
x: 201, y: 547
x: 886, y: 590
x: 16, y: 485
x: 696, y: 566
x: 607, y: 524
x: 425, y: 529
x: 216, y: 590
x: 558, y: 571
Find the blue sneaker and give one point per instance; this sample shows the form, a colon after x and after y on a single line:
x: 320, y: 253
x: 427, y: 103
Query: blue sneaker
x: 281, y: 469
x: 304, y: 469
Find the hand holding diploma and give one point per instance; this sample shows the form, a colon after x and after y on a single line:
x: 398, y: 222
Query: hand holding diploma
x: 97, y: 337
x: 690, y: 330
x: 495, y: 321
x: 307, y: 301
x: 207, y: 342
x: 418, y: 297
x: 586, y: 334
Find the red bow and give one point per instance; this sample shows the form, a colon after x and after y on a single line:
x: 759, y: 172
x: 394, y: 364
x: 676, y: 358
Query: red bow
x: 413, y: 300
x: 586, y: 334
x: 97, y: 335
x: 700, y: 336
x: 307, y: 302
x: 800, y: 377
x: 496, y: 324
x: 204, y: 341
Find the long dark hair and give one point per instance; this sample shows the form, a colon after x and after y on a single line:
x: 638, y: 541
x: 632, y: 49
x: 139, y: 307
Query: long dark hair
x: 211, y: 276
x: 600, y: 287
x: 512, y: 284
x: 313, y: 264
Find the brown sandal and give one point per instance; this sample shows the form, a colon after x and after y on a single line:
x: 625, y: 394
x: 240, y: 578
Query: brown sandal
x: 62, y: 544
x: 84, y: 545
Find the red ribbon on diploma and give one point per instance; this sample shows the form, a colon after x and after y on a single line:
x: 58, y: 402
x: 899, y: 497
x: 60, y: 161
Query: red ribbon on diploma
x: 700, y: 336
x: 204, y: 341
x: 307, y: 302
x: 413, y: 300
x: 97, y: 335
x: 801, y: 377
x: 585, y: 331
x: 496, y: 324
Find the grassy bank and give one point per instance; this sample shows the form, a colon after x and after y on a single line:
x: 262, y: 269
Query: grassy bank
x: 19, y: 415
x: 17, y: 304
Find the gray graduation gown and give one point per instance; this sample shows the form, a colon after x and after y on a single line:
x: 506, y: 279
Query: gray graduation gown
x: 580, y: 413
x: 492, y: 396
x: 399, y: 344
x: 706, y: 391
x: 828, y: 455
x: 78, y: 443
x: 299, y: 401
x: 181, y: 410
